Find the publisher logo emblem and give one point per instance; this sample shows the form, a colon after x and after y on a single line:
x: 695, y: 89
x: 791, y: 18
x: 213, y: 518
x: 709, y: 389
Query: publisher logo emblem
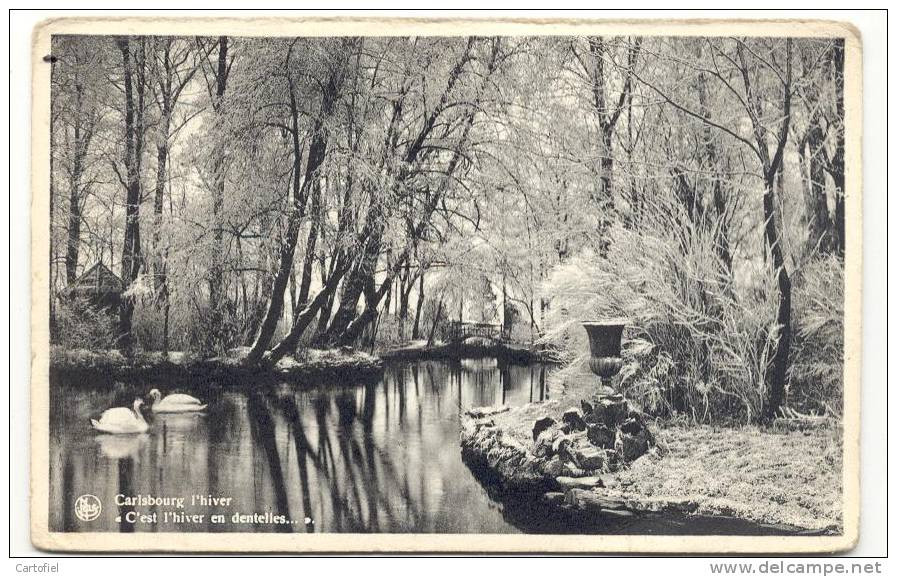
x: 87, y: 507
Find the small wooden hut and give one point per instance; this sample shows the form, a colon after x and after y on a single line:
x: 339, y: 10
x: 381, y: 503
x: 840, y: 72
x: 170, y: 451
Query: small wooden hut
x: 99, y: 286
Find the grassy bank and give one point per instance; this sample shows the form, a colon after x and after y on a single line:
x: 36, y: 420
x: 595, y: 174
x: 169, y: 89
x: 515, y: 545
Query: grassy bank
x: 312, y: 367
x: 472, y: 348
x: 785, y: 475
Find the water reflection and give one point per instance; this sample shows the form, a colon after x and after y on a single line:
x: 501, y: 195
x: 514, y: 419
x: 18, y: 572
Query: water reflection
x: 380, y: 457
x: 121, y: 446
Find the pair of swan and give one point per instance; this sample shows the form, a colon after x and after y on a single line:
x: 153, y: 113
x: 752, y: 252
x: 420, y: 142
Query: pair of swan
x: 123, y: 420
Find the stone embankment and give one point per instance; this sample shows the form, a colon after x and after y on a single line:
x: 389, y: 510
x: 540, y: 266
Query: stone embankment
x: 602, y: 458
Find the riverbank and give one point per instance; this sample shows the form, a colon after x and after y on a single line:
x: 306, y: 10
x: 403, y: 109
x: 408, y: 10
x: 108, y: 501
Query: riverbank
x: 472, y: 348
x: 313, y: 367
x: 786, y: 476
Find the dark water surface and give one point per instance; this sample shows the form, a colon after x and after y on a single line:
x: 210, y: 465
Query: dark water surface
x: 381, y: 457
x: 377, y: 457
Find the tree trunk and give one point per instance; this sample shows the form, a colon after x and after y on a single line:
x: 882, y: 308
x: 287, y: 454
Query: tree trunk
x: 777, y: 375
x: 606, y: 132
x: 505, y: 306
x: 133, y: 148
x: 772, y: 165
x: 301, y: 320
x: 74, y: 232
x: 316, y: 154
x: 216, y: 276
x: 839, y: 210
x: 607, y: 120
x: 324, y: 318
x: 81, y: 139
x: 161, y: 270
x: 415, y: 332
x: 327, y: 307
x: 435, y: 322
x: 837, y: 161
x: 308, y: 263
x: 169, y: 82
x: 406, y: 285
x: 166, y: 313
x: 719, y: 195
x: 820, y: 227
x: 359, y: 276
x: 388, y: 305
x: 159, y: 197
x: 358, y: 324
x: 292, y: 289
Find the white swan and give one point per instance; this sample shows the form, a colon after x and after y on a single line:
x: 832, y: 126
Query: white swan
x: 176, y: 403
x: 121, y: 420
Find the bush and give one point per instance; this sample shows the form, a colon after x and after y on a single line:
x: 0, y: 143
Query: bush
x: 82, y: 359
x: 695, y: 343
x: 390, y: 330
x: 80, y: 324
x: 189, y: 329
x: 148, y: 326
x: 817, y: 351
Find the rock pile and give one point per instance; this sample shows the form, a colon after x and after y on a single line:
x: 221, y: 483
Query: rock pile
x: 600, y: 437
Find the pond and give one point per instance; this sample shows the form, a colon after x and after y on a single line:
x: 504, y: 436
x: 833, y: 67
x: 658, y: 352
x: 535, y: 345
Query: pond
x: 375, y: 457
x: 379, y: 457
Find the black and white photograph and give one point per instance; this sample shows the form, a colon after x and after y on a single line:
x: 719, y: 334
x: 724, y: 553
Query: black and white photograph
x: 477, y: 287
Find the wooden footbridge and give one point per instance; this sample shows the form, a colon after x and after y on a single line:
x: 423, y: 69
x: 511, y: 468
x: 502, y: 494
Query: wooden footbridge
x: 459, y: 331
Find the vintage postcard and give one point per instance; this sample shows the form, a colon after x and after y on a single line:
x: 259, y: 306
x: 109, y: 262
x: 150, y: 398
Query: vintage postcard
x: 404, y: 285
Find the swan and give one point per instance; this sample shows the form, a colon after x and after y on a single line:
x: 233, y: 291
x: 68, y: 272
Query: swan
x: 175, y: 403
x: 122, y: 420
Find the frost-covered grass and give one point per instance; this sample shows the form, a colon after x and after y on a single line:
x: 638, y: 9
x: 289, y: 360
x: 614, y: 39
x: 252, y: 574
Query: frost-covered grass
x: 323, y: 359
x: 472, y: 347
x: 317, y: 365
x: 61, y: 357
x: 768, y: 476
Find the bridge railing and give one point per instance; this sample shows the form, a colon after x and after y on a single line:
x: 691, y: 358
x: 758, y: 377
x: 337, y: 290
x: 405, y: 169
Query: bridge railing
x: 458, y: 331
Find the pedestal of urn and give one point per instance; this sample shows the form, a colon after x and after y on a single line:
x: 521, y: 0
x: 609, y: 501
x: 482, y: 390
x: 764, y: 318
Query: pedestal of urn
x: 605, y: 342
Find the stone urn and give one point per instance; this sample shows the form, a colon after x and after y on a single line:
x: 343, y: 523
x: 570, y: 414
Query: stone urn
x: 605, y: 341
